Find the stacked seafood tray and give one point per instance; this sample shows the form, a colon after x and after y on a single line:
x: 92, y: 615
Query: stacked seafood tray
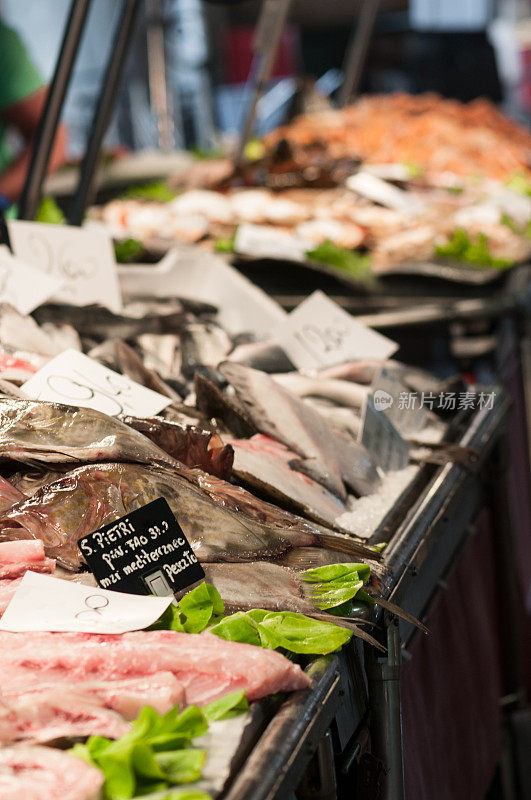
x: 417, y: 186
x: 264, y: 469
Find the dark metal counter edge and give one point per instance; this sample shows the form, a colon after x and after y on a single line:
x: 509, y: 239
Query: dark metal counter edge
x: 277, y: 763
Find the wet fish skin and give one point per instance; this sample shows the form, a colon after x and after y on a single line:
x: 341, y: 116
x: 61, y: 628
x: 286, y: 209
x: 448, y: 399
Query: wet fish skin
x: 285, y: 417
x: 203, y: 344
x: 35, y: 432
x: 101, y: 323
x: 91, y: 496
x: 211, y: 402
x: 342, y: 393
x: 132, y: 365
x: 324, y: 456
x: 265, y: 466
x: 218, y: 527
x: 266, y: 356
x: 188, y: 444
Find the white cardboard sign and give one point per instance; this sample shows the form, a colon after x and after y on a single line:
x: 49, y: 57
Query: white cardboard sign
x: 81, y: 258
x: 45, y: 603
x: 23, y: 286
x: 318, y: 333
x: 75, y: 379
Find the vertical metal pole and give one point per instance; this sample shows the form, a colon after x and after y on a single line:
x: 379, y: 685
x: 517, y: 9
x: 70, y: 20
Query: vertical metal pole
x: 42, y: 148
x: 357, y: 51
x: 103, y: 111
x: 160, y: 97
x: 385, y: 710
x: 268, y: 32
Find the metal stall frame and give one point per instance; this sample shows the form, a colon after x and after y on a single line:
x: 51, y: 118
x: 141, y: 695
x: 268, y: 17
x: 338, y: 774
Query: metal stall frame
x: 352, y: 687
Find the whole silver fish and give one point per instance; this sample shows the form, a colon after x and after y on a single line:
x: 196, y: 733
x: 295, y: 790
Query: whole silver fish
x: 45, y: 433
x: 324, y: 456
x: 88, y: 497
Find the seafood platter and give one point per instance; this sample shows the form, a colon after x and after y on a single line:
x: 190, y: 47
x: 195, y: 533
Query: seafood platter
x: 393, y: 186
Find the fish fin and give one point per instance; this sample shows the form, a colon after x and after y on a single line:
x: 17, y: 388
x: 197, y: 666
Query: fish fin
x: 345, y: 622
x: 399, y: 612
x: 347, y: 545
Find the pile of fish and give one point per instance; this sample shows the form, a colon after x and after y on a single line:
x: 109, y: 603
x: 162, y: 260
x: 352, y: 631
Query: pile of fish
x: 260, y: 465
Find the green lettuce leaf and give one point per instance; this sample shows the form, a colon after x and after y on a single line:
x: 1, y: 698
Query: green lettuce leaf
x: 127, y: 250
x: 156, y: 191
x: 463, y: 248
x: 226, y: 707
x: 354, y: 263
x: 199, y: 606
x: 181, y: 766
x: 288, y: 630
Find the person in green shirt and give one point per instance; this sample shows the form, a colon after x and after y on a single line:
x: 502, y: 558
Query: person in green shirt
x: 22, y: 100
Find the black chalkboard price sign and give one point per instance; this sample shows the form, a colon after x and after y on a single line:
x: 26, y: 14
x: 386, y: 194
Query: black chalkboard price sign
x: 145, y: 552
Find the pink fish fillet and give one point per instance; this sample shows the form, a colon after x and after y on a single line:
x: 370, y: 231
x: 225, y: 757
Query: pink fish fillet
x: 28, y: 550
x: 42, y: 773
x: 19, y: 556
x: 162, y: 691
x: 56, y: 713
x: 17, y: 570
x: 206, y: 665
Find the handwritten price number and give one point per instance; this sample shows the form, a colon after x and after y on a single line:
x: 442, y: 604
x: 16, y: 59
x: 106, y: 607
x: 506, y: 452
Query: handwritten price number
x: 95, y: 603
x: 113, y: 395
x: 327, y: 339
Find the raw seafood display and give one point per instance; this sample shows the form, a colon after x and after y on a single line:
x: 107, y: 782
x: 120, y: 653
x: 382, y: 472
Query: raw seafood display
x: 388, y: 182
x: 262, y: 484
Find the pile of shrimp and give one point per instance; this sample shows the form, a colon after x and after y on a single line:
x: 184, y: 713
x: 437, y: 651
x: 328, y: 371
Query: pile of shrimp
x: 432, y: 133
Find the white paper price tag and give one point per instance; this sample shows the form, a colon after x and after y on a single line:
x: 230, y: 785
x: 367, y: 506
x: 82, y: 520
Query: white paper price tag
x: 318, y: 333
x: 397, y: 402
x: 45, y: 603
x: 76, y: 379
x: 23, y: 286
x: 381, y: 438
x: 260, y: 241
x: 82, y: 259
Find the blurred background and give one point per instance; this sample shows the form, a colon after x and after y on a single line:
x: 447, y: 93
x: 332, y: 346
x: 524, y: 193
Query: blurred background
x: 460, y: 48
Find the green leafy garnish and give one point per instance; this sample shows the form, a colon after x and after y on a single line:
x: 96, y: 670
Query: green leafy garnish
x: 336, y: 585
x: 226, y: 245
x: 415, y: 170
x: 520, y: 183
x: 203, y: 608
x: 157, y: 191
x: 288, y: 630
x: 455, y: 189
x: 226, y: 707
x: 158, y: 751
x: 462, y: 248
x: 49, y: 212
x: 350, y: 261
x: 193, y: 612
x: 511, y: 224
x: 127, y: 250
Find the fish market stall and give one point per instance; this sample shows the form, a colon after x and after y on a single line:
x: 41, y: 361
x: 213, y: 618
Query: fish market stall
x: 173, y: 448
